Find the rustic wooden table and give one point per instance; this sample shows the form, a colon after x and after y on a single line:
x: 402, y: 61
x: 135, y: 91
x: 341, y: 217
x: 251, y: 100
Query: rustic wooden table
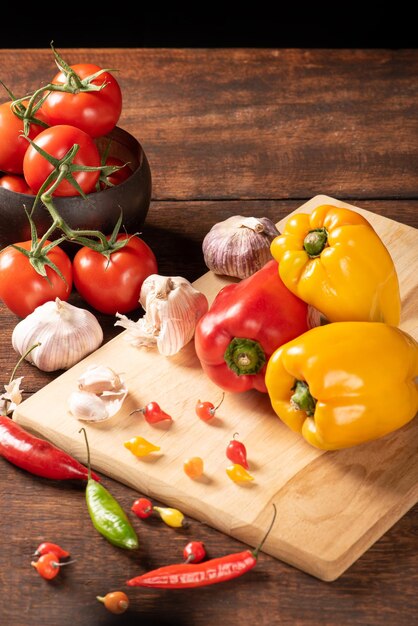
x: 252, y: 132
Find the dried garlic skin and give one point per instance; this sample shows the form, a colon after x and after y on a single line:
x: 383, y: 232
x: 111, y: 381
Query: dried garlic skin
x: 172, y: 309
x: 239, y: 246
x: 66, y: 334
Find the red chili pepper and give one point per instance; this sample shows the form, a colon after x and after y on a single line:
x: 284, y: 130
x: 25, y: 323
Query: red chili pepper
x: 142, y: 507
x: 37, y: 456
x: 246, y: 323
x: 153, y: 413
x: 237, y: 453
x: 194, y: 551
x: 183, y: 575
x: 206, y: 410
x: 47, y: 546
x: 48, y: 565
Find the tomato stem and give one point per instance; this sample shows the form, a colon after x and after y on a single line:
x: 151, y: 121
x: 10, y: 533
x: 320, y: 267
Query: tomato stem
x: 64, y: 169
x: 73, y: 84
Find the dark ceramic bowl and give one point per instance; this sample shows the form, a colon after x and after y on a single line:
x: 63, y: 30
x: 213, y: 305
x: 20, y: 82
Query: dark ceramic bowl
x: 102, y: 209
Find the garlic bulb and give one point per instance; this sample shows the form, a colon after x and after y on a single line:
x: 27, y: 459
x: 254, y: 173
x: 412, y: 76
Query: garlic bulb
x: 66, y: 334
x: 172, y: 309
x: 239, y: 246
x: 100, y: 396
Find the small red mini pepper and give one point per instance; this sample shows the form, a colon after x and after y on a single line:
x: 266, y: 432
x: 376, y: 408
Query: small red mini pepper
x: 246, y: 323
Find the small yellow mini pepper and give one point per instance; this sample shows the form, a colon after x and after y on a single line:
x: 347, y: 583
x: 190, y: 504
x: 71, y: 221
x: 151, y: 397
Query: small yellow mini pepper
x: 334, y: 260
x: 140, y: 446
x: 345, y: 383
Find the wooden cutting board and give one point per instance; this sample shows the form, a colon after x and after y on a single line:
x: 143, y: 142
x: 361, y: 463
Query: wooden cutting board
x: 332, y: 506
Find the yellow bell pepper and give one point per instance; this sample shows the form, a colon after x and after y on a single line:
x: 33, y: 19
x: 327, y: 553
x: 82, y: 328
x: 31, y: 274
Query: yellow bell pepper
x: 345, y: 383
x: 334, y: 260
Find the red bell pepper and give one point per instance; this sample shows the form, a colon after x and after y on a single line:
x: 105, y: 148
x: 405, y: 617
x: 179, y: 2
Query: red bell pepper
x: 246, y: 323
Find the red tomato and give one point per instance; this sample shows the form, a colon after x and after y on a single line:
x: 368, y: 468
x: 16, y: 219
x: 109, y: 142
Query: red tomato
x: 57, y: 140
x: 114, y: 286
x: 15, y: 183
x: 22, y: 289
x: 120, y: 175
x: 12, y: 143
x: 95, y: 112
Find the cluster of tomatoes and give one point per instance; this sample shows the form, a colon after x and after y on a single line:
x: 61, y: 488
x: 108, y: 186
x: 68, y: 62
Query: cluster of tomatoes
x: 75, y: 117
x: 65, y: 119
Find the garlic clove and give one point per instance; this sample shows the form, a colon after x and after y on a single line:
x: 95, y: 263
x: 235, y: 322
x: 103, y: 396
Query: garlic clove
x: 172, y: 309
x: 66, y: 334
x: 99, y: 378
x: 88, y: 406
x: 100, y: 395
x: 239, y: 246
x: 85, y: 405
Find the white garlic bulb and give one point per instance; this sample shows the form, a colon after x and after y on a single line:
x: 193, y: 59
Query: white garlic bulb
x: 172, y: 309
x: 66, y: 334
x: 239, y: 246
x: 100, y: 396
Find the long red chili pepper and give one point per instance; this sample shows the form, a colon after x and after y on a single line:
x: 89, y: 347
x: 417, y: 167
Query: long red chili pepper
x: 184, y: 575
x: 37, y: 456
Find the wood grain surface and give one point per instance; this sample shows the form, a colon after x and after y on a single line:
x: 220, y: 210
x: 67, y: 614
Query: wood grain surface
x: 204, y: 173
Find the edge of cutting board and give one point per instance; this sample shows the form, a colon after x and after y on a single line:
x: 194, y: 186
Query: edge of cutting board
x: 332, y: 506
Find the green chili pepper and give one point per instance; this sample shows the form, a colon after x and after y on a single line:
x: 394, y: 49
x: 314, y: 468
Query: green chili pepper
x: 108, y: 517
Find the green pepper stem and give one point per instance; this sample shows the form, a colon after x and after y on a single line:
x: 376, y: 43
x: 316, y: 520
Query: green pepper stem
x: 22, y: 358
x: 244, y: 356
x: 260, y: 545
x: 302, y: 399
x: 83, y: 430
x: 13, y: 374
x: 315, y: 241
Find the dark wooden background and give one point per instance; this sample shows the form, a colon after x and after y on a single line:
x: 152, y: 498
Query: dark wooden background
x: 252, y: 132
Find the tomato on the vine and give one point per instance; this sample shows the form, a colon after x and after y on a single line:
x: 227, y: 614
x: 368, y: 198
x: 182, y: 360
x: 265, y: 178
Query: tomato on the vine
x: 22, y: 289
x: 113, y: 285
x: 95, y: 112
x: 57, y: 141
x: 119, y: 176
x: 13, y: 144
x: 16, y: 183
